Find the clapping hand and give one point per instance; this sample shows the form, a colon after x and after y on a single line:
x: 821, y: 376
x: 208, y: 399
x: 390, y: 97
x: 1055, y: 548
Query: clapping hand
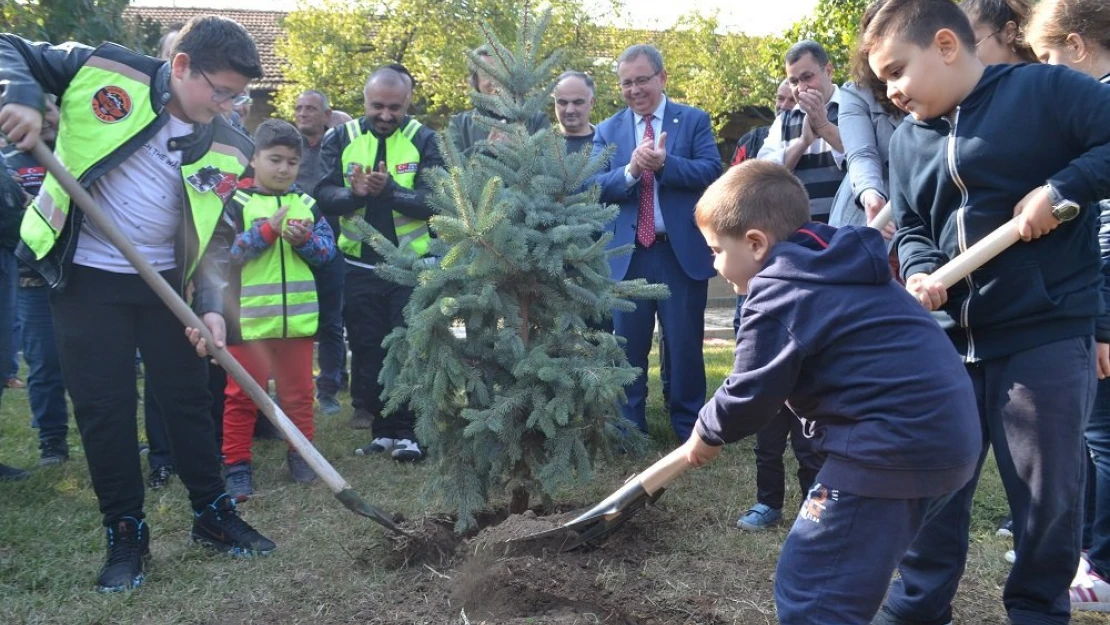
x: 813, y: 103
x: 296, y: 232
x: 360, y: 180
x: 649, y: 157
x: 377, y: 180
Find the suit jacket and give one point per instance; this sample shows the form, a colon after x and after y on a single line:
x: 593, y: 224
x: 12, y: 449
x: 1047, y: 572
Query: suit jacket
x: 692, y: 164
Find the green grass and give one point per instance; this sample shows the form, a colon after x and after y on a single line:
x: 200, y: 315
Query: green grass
x: 52, y: 544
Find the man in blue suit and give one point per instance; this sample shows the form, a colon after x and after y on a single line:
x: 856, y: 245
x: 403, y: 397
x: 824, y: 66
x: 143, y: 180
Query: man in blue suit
x: 665, y: 156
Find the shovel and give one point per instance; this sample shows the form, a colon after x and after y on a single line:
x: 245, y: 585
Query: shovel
x: 646, y: 487
x: 335, y: 482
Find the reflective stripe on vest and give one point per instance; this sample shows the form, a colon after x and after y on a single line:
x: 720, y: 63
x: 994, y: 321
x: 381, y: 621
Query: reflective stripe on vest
x: 105, y: 106
x: 278, y: 295
x: 402, y: 161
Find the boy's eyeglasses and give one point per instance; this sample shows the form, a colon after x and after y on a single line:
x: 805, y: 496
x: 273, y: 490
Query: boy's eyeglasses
x: 221, y: 95
x: 639, y: 81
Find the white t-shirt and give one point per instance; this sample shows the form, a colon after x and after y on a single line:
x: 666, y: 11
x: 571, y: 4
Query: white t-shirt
x: 143, y: 196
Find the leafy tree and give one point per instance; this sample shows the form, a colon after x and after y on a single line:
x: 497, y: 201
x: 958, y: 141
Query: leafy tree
x: 528, y: 397
x: 334, y: 46
x: 88, y: 21
x: 834, y: 24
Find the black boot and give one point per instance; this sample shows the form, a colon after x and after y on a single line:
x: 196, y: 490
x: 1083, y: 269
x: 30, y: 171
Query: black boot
x: 219, y: 526
x: 128, y: 556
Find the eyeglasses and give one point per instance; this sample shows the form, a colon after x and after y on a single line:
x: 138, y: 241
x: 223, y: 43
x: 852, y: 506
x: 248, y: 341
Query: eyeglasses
x: 985, y: 38
x: 638, y: 82
x: 221, y: 95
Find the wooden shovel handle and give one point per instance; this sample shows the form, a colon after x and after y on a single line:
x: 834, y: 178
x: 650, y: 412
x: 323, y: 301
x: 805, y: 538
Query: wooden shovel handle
x: 185, y: 314
x: 882, y: 218
x: 977, y: 255
x: 658, y: 475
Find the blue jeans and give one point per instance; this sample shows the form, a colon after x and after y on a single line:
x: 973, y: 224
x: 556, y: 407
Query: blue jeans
x: 17, y: 340
x: 45, y: 386
x: 1098, y: 444
x: 331, y: 349
x: 9, y: 291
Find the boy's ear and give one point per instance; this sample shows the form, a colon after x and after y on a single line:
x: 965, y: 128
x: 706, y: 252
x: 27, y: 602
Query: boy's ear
x: 179, y: 64
x: 948, y: 44
x: 758, y: 242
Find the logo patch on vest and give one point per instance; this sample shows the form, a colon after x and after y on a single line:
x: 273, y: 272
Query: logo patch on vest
x: 407, y: 168
x: 111, y: 104
x: 212, y: 179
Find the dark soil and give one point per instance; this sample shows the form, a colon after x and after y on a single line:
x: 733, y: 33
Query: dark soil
x: 486, y: 579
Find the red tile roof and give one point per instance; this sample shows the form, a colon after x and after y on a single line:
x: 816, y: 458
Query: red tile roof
x: 264, y: 26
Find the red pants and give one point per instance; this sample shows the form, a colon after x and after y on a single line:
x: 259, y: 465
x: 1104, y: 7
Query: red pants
x: 290, y: 361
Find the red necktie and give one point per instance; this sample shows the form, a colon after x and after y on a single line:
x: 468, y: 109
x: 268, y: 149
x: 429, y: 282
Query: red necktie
x: 645, y: 220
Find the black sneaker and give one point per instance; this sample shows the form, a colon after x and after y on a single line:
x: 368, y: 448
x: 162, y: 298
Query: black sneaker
x: 219, y: 527
x: 53, y: 452
x: 886, y: 617
x: 1005, y: 528
x: 160, y: 477
x: 12, y: 474
x: 406, y: 450
x: 128, y: 556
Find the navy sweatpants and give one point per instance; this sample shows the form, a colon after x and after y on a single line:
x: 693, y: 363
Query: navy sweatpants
x: 1033, y: 406
x: 832, y: 571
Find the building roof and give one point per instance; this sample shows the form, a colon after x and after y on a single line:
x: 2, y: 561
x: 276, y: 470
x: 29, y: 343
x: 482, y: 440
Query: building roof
x: 264, y: 26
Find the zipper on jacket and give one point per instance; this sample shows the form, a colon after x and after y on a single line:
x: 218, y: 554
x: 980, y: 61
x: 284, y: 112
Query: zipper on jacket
x: 961, y: 233
x: 284, y: 293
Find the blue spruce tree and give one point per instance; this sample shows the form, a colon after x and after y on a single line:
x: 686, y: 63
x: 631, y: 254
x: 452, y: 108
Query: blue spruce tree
x: 513, y: 384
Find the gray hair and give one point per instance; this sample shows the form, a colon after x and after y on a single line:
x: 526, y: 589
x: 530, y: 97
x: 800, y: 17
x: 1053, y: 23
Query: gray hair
x: 802, y: 48
x: 631, y: 53
x: 576, y: 74
x: 319, y: 94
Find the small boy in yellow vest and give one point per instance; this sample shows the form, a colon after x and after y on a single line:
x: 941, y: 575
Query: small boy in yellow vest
x: 274, y: 313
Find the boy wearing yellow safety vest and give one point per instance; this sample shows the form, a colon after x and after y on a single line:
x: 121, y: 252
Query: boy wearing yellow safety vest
x: 375, y: 168
x: 147, y: 139
x: 282, y: 236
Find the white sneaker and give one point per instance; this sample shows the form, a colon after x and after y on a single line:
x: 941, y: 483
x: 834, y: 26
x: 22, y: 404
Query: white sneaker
x: 1091, y: 594
x: 1010, y: 556
x: 405, y: 450
x: 376, y: 446
x: 1082, y: 571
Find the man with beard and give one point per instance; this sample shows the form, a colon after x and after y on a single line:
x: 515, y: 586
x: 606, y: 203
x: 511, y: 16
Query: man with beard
x: 375, y: 167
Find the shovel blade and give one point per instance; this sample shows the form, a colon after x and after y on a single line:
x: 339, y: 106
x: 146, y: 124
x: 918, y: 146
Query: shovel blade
x: 596, y: 522
x: 355, y: 503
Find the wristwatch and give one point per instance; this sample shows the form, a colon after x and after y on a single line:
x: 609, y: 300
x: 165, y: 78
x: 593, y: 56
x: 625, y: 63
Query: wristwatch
x: 1062, y: 209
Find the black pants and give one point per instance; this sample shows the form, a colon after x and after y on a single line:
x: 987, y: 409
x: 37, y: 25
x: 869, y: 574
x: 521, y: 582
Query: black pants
x: 1033, y: 406
x: 100, y: 319
x: 770, y: 473
x: 372, y: 307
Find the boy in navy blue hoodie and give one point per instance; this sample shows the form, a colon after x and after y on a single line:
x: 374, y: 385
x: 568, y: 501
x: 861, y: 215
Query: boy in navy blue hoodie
x: 826, y: 329
x: 982, y: 146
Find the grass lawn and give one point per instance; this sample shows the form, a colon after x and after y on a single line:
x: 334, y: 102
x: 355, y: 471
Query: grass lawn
x: 679, y: 562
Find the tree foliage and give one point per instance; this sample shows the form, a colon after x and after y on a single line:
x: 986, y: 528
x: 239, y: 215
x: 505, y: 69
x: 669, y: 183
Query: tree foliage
x: 528, y: 397
x: 333, y: 47
x: 87, y: 21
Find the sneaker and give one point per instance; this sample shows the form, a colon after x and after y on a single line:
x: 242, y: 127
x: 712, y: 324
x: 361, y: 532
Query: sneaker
x: 1005, y: 528
x: 240, y: 481
x: 299, y: 469
x: 128, y: 556
x: 15, y: 383
x: 12, y: 474
x: 160, y: 477
x: 886, y: 617
x: 218, y: 526
x: 759, y: 517
x: 1010, y: 556
x: 405, y: 450
x: 53, y: 452
x: 361, y: 420
x: 329, y: 406
x: 1090, y: 594
x: 376, y: 446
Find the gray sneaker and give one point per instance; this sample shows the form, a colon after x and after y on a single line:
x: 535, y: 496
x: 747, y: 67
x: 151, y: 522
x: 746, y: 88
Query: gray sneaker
x: 329, y: 406
x: 240, y: 481
x: 299, y: 469
x: 361, y: 420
